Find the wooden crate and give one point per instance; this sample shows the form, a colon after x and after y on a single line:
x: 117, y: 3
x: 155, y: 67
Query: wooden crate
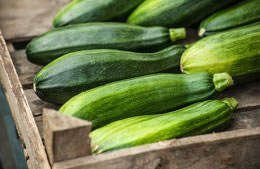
x: 66, y: 138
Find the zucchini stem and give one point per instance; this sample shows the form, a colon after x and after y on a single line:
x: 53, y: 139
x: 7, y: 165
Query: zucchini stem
x: 222, y: 81
x: 231, y: 102
x: 177, y: 34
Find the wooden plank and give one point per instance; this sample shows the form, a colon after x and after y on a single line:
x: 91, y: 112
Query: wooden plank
x: 65, y: 134
x: 238, y: 149
x: 39, y: 123
x: 24, y: 19
x: 25, y: 69
x: 20, y: 109
x: 247, y: 95
x: 36, y: 104
x: 245, y: 120
x: 10, y: 47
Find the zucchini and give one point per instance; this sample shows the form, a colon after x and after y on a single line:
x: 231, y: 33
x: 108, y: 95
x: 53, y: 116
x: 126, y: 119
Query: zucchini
x: 76, y: 72
x: 240, y: 14
x: 198, y: 118
x: 64, y: 40
x: 144, y: 95
x: 82, y: 11
x: 236, y: 52
x: 174, y: 13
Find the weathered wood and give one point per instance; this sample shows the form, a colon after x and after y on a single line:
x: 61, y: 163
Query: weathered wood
x: 245, y: 120
x: 25, y: 19
x: 238, y: 149
x: 39, y: 123
x: 247, y: 95
x: 10, y: 47
x: 36, y: 104
x: 25, y: 69
x: 65, y: 137
x: 20, y: 109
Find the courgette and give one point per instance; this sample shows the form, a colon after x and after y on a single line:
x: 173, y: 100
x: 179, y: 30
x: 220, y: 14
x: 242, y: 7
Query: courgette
x: 76, y: 72
x: 240, y: 14
x: 198, y: 118
x: 176, y: 13
x: 236, y: 52
x: 64, y: 40
x: 144, y: 95
x: 82, y: 11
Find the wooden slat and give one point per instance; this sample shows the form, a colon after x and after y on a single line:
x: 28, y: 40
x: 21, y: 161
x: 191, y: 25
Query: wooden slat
x: 248, y: 95
x: 25, y: 69
x: 245, y: 120
x: 64, y: 133
x: 36, y: 104
x: 10, y: 47
x: 238, y: 149
x: 20, y: 109
x: 23, y: 19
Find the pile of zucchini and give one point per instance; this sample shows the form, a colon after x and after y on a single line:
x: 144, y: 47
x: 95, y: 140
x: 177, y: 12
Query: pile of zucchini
x: 114, y: 63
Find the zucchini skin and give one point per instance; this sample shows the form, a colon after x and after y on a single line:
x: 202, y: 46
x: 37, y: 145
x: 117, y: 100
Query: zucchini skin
x: 143, y: 95
x: 240, y: 14
x: 82, y: 11
x: 198, y: 118
x: 170, y: 13
x: 76, y: 72
x: 58, y: 42
x: 236, y: 52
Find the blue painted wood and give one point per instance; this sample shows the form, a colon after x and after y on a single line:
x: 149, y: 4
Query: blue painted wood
x: 11, y: 152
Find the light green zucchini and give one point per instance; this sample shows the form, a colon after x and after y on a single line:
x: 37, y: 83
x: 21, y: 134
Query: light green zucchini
x: 236, y: 52
x: 198, y: 118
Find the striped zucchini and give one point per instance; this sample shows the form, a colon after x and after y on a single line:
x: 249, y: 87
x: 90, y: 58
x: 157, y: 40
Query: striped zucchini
x: 82, y: 11
x: 144, y: 95
x: 236, y: 51
x: 64, y: 40
x: 243, y: 13
x: 174, y: 13
x: 198, y: 118
x: 76, y: 72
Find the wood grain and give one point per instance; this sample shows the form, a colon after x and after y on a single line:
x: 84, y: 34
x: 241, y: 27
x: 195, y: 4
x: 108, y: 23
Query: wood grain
x: 24, y: 19
x: 247, y: 95
x: 25, y: 69
x: 20, y: 109
x: 36, y: 104
x: 245, y: 120
x: 65, y: 134
x: 238, y: 149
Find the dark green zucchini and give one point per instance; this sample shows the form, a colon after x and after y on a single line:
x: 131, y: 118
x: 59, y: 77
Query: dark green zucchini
x: 175, y: 13
x: 236, y: 52
x: 76, y: 72
x: 82, y: 11
x: 240, y: 14
x: 144, y: 95
x: 64, y: 40
x: 198, y: 118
